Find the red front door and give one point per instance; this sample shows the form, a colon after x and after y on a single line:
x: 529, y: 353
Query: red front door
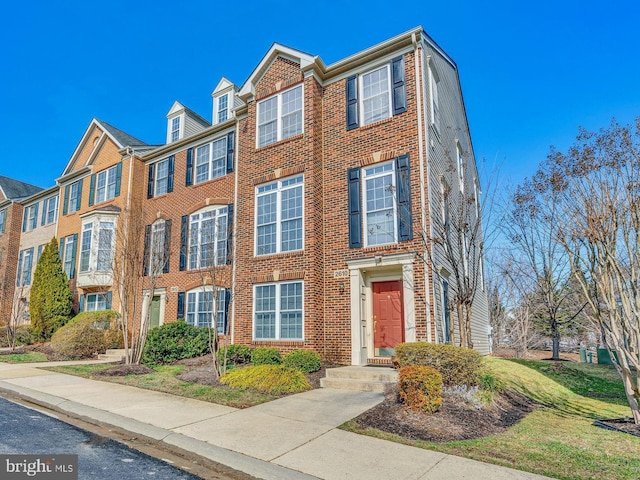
x: 388, y: 321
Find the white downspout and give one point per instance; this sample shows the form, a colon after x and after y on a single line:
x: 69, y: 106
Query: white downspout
x: 235, y: 231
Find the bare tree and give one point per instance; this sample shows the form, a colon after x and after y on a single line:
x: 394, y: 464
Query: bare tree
x: 141, y: 255
x: 598, y: 181
x: 16, y: 318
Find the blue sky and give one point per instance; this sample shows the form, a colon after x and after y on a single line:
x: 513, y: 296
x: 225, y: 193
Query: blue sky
x: 531, y: 72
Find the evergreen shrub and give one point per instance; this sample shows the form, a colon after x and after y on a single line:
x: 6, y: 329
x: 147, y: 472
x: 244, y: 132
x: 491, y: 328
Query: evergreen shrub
x: 306, y: 361
x: 88, y: 333
x: 266, y: 356
x: 457, y: 365
x: 420, y: 388
x: 175, y: 341
x: 270, y: 379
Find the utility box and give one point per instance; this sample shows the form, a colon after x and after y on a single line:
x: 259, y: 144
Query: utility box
x: 604, y: 358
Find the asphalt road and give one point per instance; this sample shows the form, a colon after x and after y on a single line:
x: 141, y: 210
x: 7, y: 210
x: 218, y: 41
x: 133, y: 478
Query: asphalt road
x: 26, y: 431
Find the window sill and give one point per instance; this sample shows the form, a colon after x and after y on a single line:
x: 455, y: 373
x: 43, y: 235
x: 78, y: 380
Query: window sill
x: 295, y: 253
x: 279, y: 343
x: 280, y: 142
x: 204, y: 182
x: 374, y: 124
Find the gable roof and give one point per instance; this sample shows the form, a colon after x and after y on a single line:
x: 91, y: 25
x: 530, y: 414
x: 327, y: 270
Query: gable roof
x: 123, y: 138
x: 15, y: 189
x: 178, y: 108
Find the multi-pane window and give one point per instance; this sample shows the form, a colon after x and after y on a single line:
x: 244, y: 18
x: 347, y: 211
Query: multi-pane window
x: 96, y: 250
x: 162, y: 177
x: 3, y: 220
x: 223, y: 108
x: 280, y: 116
x: 157, y: 257
x: 85, y: 249
x: 278, y: 311
x: 30, y: 217
x: 379, y: 202
x: 25, y: 267
x: 175, y: 129
x: 201, y: 305
x: 211, y: 160
x: 95, y: 302
x: 208, y: 238
x: 74, y: 197
x: 279, y: 216
x: 106, y: 184
x: 376, y: 95
x: 68, y: 255
x: 50, y: 207
x: 435, y: 105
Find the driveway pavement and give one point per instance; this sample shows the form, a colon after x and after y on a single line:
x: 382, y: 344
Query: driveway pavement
x: 294, y: 437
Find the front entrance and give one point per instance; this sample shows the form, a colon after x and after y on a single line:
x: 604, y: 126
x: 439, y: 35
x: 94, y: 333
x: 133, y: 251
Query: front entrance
x: 154, y: 315
x: 388, y: 317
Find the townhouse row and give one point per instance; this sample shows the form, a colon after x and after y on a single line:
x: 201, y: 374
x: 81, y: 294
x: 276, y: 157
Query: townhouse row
x: 307, y: 214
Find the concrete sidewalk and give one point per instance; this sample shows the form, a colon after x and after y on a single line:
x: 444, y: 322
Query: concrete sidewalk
x: 290, y: 438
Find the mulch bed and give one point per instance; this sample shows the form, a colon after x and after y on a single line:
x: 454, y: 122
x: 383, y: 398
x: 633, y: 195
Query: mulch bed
x: 456, y: 419
x: 624, y: 425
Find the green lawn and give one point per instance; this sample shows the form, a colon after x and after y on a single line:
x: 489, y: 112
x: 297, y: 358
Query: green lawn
x: 164, y: 380
x: 559, y: 439
x: 29, y: 357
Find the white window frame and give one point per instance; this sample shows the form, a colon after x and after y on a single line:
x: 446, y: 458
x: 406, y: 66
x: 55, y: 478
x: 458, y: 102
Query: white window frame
x: 220, y: 110
x: 361, y: 98
x: 3, y: 220
x: 158, y: 178
x: 196, y: 260
x: 277, y: 187
x: 460, y: 162
x: 279, y: 116
x: 175, y: 129
x: 217, y: 306
x: 32, y: 219
x: 394, y: 208
x: 98, y: 261
x: 211, y: 161
x: 51, y: 214
x: 26, y: 269
x: 278, y: 311
x: 108, y: 190
x: 74, y: 193
x: 98, y: 298
x: 435, y: 101
x: 68, y: 260
x: 157, y: 248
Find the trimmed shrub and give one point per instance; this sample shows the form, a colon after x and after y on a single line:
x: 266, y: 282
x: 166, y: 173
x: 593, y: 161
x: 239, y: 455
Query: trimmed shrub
x: 420, y: 388
x: 85, y: 335
x: 270, y: 379
x: 306, y: 361
x: 266, y: 356
x: 175, y: 341
x: 457, y: 365
x: 24, y: 335
x: 236, y: 354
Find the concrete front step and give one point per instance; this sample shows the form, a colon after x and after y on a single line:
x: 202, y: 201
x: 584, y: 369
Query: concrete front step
x: 112, y: 355
x: 366, y: 379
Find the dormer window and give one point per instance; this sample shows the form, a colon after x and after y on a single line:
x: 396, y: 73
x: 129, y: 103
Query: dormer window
x: 222, y: 108
x: 280, y: 116
x: 175, y: 129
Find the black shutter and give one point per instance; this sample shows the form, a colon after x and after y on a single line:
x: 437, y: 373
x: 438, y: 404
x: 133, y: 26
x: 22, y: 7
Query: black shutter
x: 180, y: 313
x: 150, y: 181
x: 229, y: 232
x: 45, y: 204
x: 92, y: 188
x: 189, y: 180
x: 79, y: 199
x: 108, y: 300
x: 118, y: 178
x: 24, y: 219
x: 184, y: 232
x: 81, y: 303
x: 167, y: 246
x: 352, y: 102
x: 227, y: 301
x: 170, y: 176
x: 230, y: 147
x: 398, y: 85
x: 73, y: 255
x: 147, y: 250
x: 66, y: 200
x: 355, y: 213
x: 403, y: 185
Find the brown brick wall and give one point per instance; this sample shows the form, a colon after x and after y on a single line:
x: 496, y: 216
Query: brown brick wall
x: 9, y: 246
